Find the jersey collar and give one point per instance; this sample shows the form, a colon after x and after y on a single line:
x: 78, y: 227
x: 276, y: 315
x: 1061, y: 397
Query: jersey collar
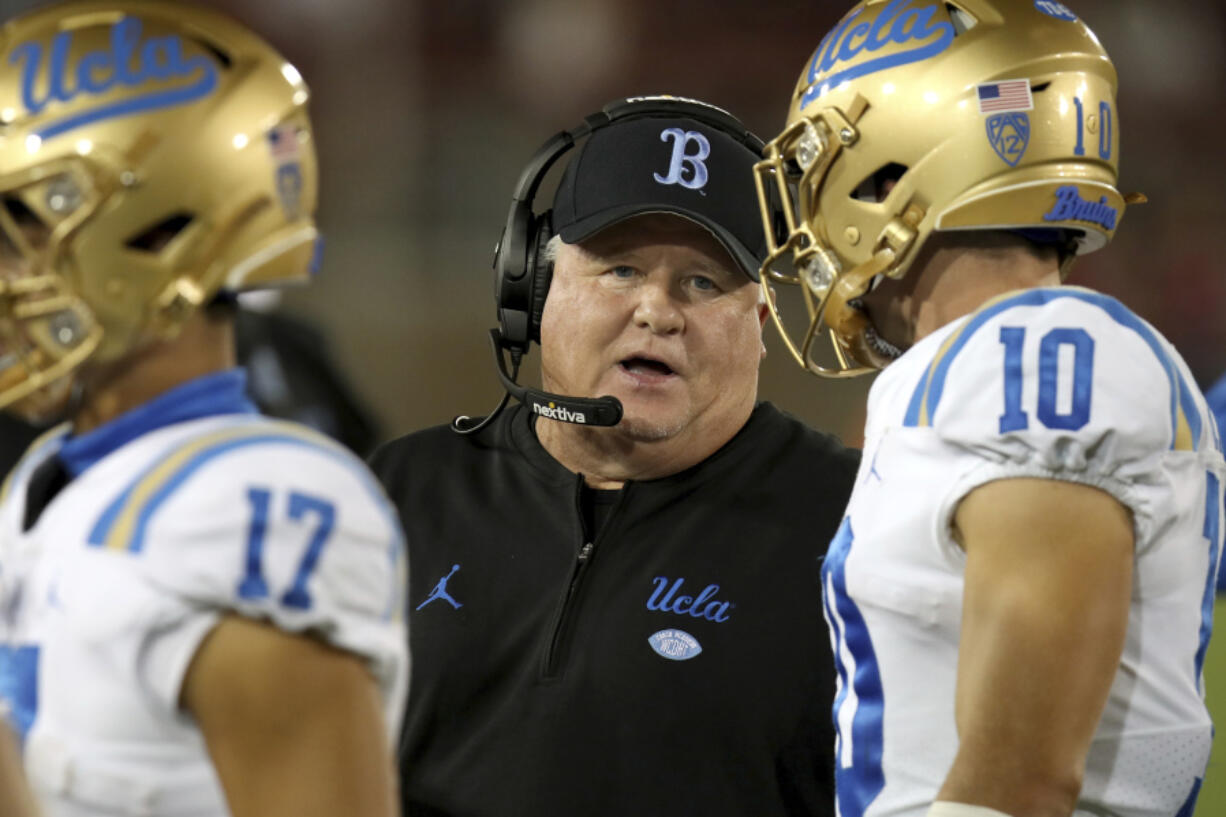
x: 213, y: 394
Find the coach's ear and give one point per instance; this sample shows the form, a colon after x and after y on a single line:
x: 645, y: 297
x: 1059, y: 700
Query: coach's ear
x: 764, y: 291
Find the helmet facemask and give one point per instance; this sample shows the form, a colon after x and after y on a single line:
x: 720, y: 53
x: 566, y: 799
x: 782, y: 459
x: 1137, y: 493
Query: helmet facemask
x: 46, y: 330
x: 794, y: 171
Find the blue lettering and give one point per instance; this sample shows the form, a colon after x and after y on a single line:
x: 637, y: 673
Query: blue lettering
x: 849, y: 50
x: 892, y: 26
x: 124, y: 36
x: 705, y: 605
x: 921, y: 26
x: 167, y: 48
x: 127, y: 64
x: 879, y: 36
x: 29, y: 53
x: 707, y: 592
x: 59, y: 59
x: 829, y: 59
x: 817, y: 56
x: 661, y: 604
x: 1070, y: 206
x: 99, y: 60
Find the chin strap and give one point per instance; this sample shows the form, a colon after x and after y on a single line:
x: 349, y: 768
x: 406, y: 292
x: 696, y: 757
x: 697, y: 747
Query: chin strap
x: 848, y: 324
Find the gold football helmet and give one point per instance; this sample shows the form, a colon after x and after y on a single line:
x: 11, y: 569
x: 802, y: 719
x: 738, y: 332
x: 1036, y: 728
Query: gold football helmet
x: 152, y: 155
x: 922, y: 115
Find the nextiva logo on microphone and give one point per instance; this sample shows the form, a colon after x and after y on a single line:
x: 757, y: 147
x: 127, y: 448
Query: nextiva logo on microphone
x: 555, y: 412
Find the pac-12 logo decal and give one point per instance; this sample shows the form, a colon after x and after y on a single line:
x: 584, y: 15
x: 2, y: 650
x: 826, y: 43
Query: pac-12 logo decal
x: 685, y: 168
x: 900, y: 23
x: 675, y: 645
x: 286, y: 150
x: 1058, y: 10
x: 1009, y: 134
x: 154, y: 64
x: 440, y: 591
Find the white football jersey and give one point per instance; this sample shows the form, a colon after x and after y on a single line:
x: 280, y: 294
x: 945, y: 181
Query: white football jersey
x: 104, y: 601
x: 1061, y: 383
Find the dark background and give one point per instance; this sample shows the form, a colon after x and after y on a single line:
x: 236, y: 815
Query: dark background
x: 426, y: 111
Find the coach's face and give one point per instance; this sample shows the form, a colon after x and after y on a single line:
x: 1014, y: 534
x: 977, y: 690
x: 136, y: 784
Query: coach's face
x: 654, y: 311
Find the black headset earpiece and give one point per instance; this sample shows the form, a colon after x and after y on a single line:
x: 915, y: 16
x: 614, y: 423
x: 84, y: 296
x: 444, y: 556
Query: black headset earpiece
x: 539, y: 271
x: 515, y: 285
x: 513, y: 288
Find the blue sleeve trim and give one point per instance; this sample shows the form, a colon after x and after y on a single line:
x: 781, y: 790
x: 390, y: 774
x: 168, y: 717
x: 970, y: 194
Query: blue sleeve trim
x: 927, y: 396
x: 1212, y: 532
x: 103, y: 529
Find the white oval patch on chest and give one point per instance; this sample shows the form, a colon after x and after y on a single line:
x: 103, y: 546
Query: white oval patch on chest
x: 675, y: 645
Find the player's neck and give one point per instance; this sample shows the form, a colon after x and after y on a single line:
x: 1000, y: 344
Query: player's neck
x: 961, y: 283
x: 205, y: 345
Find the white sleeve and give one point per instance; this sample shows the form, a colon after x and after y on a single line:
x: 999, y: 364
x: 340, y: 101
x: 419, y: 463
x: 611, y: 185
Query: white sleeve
x: 1067, y: 384
x: 286, y: 530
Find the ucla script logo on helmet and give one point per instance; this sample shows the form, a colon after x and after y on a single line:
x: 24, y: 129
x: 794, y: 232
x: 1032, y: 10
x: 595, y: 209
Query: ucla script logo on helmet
x: 904, y: 29
x: 157, y: 66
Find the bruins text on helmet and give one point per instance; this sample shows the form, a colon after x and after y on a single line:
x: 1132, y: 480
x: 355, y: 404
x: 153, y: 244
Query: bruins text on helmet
x: 141, y: 173
x: 916, y: 116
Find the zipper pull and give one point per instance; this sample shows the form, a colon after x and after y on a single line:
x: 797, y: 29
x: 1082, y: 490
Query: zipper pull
x: 585, y: 552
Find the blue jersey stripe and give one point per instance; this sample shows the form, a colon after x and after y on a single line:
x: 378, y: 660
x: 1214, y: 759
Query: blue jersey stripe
x: 102, y: 529
x: 1211, y: 531
x: 931, y: 387
x: 19, y: 686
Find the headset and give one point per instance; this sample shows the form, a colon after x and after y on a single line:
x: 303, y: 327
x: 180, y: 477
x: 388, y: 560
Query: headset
x: 522, y: 276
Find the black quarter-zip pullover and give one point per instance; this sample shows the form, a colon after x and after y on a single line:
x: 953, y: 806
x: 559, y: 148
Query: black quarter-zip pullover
x: 674, y: 663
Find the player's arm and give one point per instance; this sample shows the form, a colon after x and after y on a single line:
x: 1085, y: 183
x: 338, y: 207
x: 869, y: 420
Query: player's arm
x: 294, y: 727
x: 1045, y: 611
x: 15, y: 799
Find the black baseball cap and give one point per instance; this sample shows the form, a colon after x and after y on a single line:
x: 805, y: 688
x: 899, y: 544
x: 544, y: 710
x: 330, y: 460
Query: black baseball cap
x: 664, y: 164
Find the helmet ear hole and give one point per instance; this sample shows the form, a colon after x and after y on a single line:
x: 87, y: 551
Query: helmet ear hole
x: 155, y: 238
x: 212, y: 47
x: 20, y: 212
x: 962, y: 20
x: 877, y: 185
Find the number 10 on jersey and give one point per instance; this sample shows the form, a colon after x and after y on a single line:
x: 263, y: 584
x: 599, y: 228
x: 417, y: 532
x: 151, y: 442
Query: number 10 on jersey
x: 1015, y: 418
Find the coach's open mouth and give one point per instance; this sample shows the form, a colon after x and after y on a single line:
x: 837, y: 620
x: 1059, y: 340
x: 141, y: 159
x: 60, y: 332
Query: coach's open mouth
x: 646, y: 366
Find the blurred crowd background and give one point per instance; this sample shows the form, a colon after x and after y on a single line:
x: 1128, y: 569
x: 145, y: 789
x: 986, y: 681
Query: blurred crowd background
x: 425, y: 113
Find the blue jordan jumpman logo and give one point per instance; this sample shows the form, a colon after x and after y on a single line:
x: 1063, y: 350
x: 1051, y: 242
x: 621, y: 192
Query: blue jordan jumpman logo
x: 440, y: 591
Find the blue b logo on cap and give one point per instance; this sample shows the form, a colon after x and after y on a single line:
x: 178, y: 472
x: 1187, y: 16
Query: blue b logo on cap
x: 683, y: 160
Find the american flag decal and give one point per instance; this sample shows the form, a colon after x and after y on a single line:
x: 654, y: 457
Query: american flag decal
x: 283, y: 142
x: 1007, y: 95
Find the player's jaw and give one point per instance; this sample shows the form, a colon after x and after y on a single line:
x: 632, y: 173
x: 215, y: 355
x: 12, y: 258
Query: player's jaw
x: 886, y: 306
